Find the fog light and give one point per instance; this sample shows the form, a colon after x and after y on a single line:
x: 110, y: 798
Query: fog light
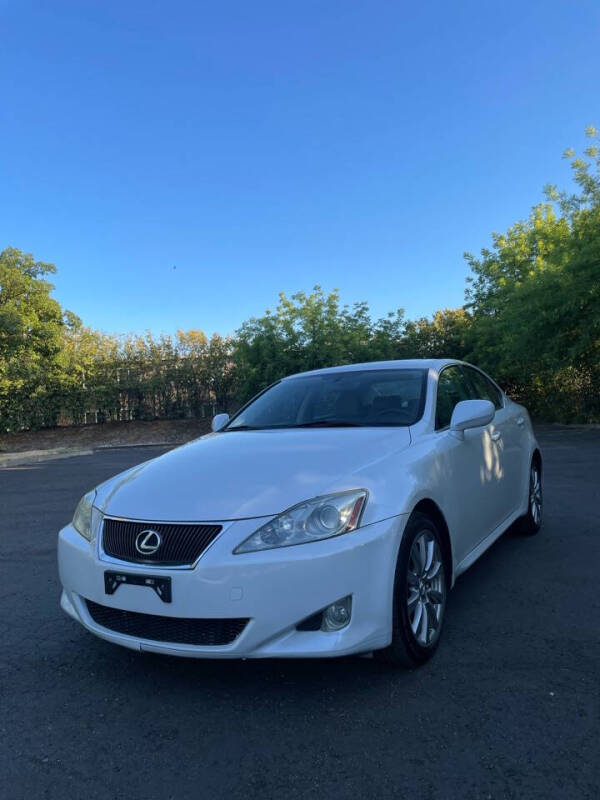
x: 337, y: 615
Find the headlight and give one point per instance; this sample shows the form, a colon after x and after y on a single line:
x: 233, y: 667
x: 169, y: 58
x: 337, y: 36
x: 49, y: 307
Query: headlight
x: 82, y: 518
x: 310, y: 521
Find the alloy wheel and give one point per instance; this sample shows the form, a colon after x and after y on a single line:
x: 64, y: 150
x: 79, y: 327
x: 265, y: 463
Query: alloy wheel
x: 426, y: 588
x: 535, y: 495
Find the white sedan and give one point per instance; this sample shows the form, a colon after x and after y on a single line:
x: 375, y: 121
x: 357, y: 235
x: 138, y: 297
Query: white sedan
x: 329, y: 516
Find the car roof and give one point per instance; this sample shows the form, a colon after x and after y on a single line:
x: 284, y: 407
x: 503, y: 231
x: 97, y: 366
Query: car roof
x: 435, y: 364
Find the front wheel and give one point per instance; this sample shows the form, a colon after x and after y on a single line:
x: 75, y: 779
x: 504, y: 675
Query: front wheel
x: 531, y: 522
x: 420, y: 590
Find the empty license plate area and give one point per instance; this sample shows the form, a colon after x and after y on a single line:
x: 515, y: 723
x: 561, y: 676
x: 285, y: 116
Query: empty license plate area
x: 158, y: 583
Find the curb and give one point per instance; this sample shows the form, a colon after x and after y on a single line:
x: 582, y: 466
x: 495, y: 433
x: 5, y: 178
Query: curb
x: 37, y: 456
x: 139, y: 444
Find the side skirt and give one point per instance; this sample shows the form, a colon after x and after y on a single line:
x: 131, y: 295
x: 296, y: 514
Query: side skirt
x: 483, y: 545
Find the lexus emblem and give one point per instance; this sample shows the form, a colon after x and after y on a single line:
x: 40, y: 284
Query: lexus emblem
x: 147, y: 542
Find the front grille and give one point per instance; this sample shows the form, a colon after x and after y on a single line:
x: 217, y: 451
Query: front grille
x: 180, y: 543
x: 179, y: 630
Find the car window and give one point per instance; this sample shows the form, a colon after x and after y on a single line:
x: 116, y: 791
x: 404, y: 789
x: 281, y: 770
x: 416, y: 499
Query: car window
x: 281, y: 405
x: 354, y: 397
x: 483, y: 388
x: 452, y: 388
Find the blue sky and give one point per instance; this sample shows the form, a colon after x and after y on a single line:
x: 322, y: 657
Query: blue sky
x: 267, y: 146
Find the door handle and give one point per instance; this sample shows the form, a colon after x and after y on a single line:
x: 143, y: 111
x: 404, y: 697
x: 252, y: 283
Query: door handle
x: 520, y: 420
x: 495, y: 436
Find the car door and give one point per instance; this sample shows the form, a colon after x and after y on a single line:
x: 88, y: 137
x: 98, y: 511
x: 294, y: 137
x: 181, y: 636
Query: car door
x: 468, y: 467
x: 506, y: 446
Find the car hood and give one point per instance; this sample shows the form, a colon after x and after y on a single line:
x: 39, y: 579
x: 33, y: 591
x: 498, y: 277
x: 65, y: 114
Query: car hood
x: 238, y: 475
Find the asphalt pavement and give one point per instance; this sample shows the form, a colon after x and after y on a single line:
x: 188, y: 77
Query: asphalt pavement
x: 508, y: 707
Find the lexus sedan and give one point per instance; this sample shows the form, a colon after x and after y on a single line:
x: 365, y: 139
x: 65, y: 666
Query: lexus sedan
x: 331, y: 515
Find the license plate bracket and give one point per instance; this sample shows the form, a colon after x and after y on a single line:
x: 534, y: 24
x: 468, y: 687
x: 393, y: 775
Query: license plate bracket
x: 160, y: 584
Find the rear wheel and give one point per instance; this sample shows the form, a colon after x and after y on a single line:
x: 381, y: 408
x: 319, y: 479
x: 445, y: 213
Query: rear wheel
x: 531, y: 522
x: 420, y: 590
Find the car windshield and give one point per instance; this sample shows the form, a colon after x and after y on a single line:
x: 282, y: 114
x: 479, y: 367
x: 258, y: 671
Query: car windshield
x: 353, y: 398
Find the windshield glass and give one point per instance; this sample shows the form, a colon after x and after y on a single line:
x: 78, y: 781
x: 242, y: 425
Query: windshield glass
x: 361, y: 398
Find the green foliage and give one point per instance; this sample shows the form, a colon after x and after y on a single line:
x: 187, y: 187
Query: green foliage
x: 54, y: 369
x: 535, y: 300
x: 308, y: 332
x: 446, y: 335
x: 31, y: 328
x: 140, y: 377
x: 531, y: 318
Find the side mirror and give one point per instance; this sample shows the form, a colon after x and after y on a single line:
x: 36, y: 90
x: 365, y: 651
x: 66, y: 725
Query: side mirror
x: 471, y: 414
x: 220, y: 421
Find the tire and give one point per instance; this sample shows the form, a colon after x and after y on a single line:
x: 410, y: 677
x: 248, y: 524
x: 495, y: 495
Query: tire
x: 420, y: 593
x: 531, y: 522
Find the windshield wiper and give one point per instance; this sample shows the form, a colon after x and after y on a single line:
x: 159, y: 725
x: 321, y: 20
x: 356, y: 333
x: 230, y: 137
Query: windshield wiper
x: 327, y: 423
x: 319, y: 423
x: 243, y: 428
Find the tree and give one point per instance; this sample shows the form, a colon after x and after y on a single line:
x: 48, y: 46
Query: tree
x: 445, y: 335
x: 31, y: 338
x: 310, y: 331
x: 535, y: 299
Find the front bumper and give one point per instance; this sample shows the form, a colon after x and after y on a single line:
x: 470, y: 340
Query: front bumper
x: 275, y: 589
